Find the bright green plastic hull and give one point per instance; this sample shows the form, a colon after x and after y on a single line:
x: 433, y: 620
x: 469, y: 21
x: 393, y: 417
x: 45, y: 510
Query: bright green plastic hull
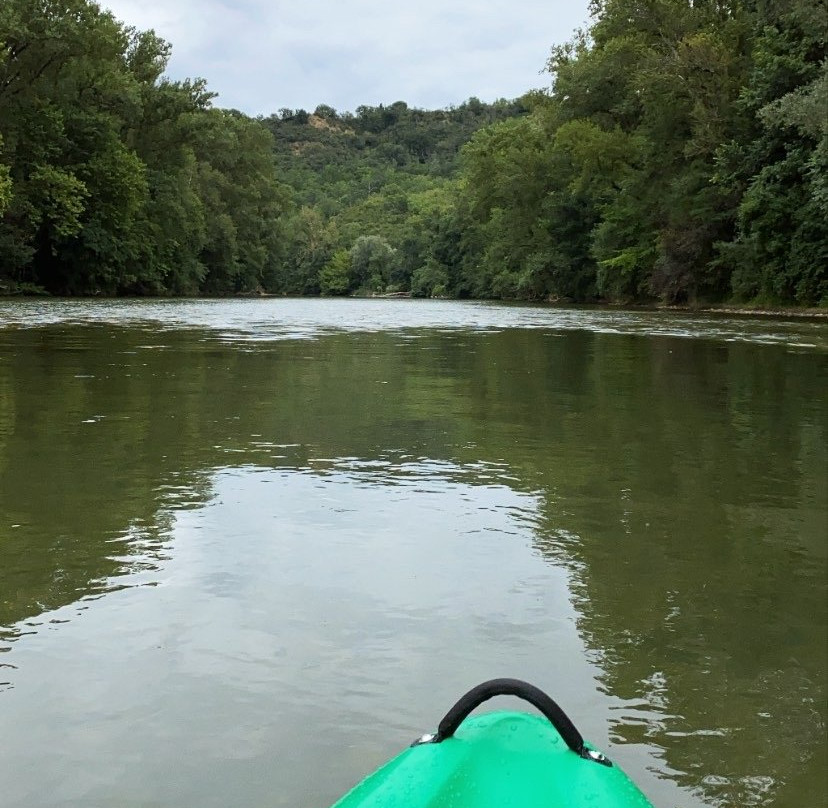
x: 497, y: 760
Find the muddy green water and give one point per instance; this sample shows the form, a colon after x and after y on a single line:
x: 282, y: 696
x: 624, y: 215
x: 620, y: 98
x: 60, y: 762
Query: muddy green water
x: 251, y: 549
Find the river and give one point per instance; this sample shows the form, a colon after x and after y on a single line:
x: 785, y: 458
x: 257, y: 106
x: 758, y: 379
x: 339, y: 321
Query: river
x: 250, y: 549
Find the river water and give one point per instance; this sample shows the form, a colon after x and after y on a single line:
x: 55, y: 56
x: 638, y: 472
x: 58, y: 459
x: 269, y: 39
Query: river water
x: 251, y: 549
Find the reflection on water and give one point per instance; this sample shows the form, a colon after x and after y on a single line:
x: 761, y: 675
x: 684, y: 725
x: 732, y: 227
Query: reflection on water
x: 241, y: 568
x: 305, y: 626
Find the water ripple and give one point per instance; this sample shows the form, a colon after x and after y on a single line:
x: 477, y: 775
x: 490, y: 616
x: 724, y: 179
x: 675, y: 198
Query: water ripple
x: 250, y: 321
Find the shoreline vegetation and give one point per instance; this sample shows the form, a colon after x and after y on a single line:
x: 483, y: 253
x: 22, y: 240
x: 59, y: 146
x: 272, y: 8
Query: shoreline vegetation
x: 678, y: 160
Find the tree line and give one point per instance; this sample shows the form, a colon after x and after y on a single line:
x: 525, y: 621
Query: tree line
x: 116, y: 180
x: 680, y: 155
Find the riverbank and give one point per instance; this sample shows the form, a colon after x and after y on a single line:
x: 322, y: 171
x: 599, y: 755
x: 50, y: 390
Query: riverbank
x: 752, y: 311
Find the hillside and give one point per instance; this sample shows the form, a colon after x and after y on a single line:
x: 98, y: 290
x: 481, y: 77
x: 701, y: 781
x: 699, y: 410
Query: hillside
x: 380, y: 177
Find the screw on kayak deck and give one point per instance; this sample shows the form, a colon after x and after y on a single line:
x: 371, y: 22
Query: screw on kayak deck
x: 591, y: 754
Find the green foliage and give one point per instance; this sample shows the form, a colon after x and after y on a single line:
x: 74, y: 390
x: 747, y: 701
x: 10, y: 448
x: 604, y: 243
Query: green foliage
x: 5, y: 183
x: 335, y: 276
x: 5, y: 188
x: 123, y: 181
x: 385, y: 171
x: 778, y: 170
x: 372, y: 263
x: 430, y: 280
x: 59, y: 198
x: 310, y: 244
x: 681, y: 154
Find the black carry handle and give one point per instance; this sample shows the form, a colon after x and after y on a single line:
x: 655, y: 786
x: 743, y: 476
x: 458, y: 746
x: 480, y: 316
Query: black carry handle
x: 535, y: 696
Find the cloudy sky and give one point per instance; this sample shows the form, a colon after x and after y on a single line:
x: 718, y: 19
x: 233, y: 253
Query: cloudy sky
x: 262, y: 55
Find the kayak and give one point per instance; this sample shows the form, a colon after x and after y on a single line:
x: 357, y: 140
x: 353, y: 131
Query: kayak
x: 499, y: 759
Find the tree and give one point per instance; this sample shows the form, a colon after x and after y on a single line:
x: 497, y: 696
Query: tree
x: 5, y: 184
x: 335, y: 276
x: 430, y: 280
x: 310, y: 245
x: 372, y: 262
x: 124, y: 182
x: 779, y: 167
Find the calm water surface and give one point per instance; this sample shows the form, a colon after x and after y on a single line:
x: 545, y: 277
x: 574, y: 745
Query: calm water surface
x: 251, y: 549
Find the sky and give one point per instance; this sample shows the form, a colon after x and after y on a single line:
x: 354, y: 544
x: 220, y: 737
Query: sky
x: 263, y: 55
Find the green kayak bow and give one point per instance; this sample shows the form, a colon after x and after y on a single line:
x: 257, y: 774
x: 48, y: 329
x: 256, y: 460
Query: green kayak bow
x: 499, y: 760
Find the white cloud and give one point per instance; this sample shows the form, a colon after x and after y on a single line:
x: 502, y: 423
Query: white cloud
x: 261, y: 56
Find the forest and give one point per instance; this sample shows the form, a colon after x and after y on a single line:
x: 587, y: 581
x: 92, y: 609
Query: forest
x: 678, y: 156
